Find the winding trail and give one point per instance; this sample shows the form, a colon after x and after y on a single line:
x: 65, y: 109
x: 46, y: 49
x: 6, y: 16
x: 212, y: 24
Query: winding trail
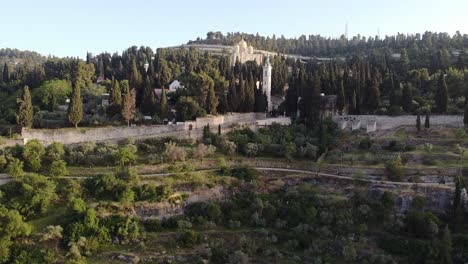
x: 6, y: 178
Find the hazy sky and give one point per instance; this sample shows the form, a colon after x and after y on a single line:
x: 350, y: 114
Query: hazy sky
x: 70, y: 28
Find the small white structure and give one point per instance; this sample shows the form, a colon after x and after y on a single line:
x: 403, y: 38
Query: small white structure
x: 371, y: 126
x: 105, y: 99
x: 343, y: 124
x: 174, y: 86
x: 356, y: 125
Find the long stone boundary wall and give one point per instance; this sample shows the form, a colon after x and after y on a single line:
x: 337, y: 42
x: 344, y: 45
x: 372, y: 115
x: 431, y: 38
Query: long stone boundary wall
x: 189, y: 129
x: 390, y: 122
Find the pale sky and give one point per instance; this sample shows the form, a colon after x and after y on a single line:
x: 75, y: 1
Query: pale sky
x: 70, y: 28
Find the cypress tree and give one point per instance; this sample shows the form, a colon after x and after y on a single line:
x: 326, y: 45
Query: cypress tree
x: 340, y: 100
x: 458, y: 206
x: 465, y: 116
x: 212, y: 101
x: 136, y: 81
x: 446, y: 247
x: 426, y: 122
x: 250, y: 96
x: 115, y: 96
x: 223, y: 105
x: 374, y: 95
x: 243, y: 95
x: 418, y: 122
x: 75, y: 109
x: 441, y: 98
x: 164, y: 110
x: 24, y: 115
x: 407, y: 98
x: 233, y: 99
x: 128, y: 105
x: 313, y: 102
x: 6, y: 73
x: 353, y: 103
x: 148, y: 105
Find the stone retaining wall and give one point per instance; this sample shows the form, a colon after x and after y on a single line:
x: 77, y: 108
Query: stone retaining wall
x: 389, y: 122
x: 189, y: 129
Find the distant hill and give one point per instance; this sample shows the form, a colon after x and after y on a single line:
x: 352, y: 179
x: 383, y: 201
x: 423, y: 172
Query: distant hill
x: 317, y: 45
x: 14, y: 56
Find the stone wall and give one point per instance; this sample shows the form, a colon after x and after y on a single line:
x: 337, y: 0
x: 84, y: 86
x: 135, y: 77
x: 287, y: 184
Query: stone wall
x: 390, y: 122
x: 192, y: 129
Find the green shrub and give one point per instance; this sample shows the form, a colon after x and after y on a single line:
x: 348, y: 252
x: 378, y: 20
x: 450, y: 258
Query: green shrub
x: 32, y: 154
x: 58, y: 168
x: 395, y: 170
x: 190, y: 238
x: 153, y: 225
x: 244, y: 173
x: 365, y: 143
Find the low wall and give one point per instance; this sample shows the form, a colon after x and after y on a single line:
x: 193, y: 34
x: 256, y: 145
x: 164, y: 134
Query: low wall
x: 192, y: 129
x: 389, y: 122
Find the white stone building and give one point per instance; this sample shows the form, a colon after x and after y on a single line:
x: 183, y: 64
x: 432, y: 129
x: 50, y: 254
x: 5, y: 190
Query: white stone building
x: 174, y: 86
x: 244, y: 53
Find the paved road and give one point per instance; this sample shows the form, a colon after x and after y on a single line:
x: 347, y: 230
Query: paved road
x: 406, y: 184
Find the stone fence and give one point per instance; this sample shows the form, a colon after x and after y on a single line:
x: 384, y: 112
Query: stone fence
x: 189, y: 129
x: 376, y: 122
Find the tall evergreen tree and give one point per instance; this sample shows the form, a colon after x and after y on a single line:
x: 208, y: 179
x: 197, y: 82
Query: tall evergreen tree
x: 340, y: 100
x: 465, y: 116
x: 458, y: 206
x: 163, y: 108
x: 212, y: 101
x: 313, y: 102
x: 441, y: 97
x: 148, y: 105
x: 427, y: 122
x: 115, y: 96
x: 24, y: 115
x: 353, y: 103
x: 136, y: 82
x: 233, y: 98
x: 374, y: 95
x: 407, y: 98
x: 250, y: 95
x: 128, y: 105
x: 418, y: 122
x: 243, y: 95
x: 445, y: 252
x: 260, y: 101
x: 75, y: 109
x: 6, y: 73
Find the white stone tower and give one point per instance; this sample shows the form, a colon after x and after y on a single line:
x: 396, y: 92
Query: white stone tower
x: 267, y: 82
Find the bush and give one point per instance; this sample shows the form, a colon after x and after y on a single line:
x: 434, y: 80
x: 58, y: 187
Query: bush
x: 244, y: 173
x: 202, y: 151
x: 153, y: 225
x: 209, y: 211
x: 190, y: 237
x: 15, y: 168
x: 58, y: 168
x: 395, y: 170
x: 174, y: 153
x: 125, y: 155
x: 55, y: 151
x: 32, y: 155
x: 251, y: 149
x: 366, y: 143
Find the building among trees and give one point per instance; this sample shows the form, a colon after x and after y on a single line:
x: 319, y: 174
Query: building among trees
x: 243, y: 53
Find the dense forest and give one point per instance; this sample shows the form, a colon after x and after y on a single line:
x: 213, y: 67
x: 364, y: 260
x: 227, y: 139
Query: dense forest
x: 396, y: 75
